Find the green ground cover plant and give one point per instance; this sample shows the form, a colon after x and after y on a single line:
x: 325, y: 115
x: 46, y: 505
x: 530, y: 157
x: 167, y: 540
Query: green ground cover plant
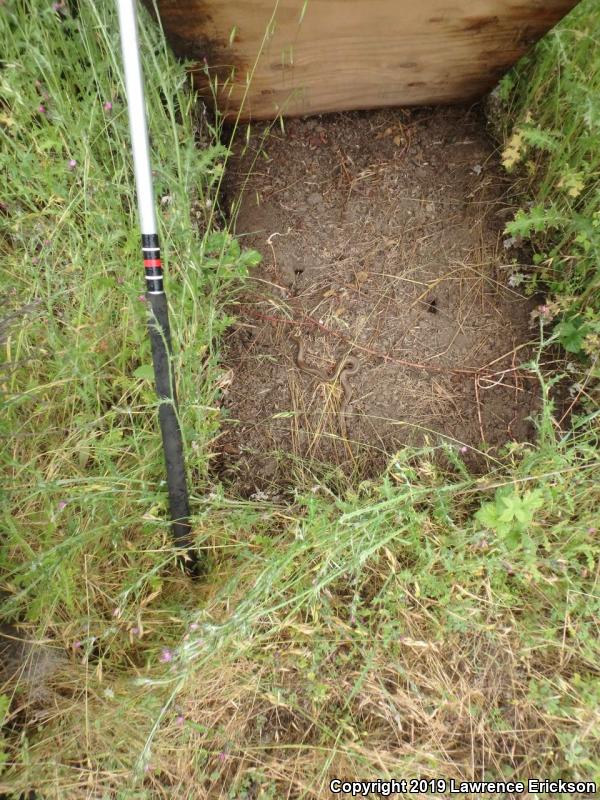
x: 552, y: 128
x: 427, y: 624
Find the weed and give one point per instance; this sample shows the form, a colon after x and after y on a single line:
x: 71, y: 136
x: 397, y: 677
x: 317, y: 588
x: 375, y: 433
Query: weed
x: 552, y: 107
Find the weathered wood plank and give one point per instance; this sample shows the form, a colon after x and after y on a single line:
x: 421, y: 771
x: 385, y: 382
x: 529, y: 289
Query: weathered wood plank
x: 292, y: 57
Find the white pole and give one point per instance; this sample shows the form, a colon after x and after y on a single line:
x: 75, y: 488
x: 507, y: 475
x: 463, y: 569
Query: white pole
x: 136, y: 107
x: 158, y: 323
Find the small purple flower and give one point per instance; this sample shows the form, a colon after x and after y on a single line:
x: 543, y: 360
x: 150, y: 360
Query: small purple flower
x: 57, y: 6
x: 166, y: 656
x: 77, y: 645
x: 179, y: 720
x: 72, y: 163
x: 107, y: 106
x: 135, y: 630
x: 62, y: 505
x: 41, y: 109
x: 194, y: 626
x: 463, y: 450
x: 222, y: 756
x: 142, y: 298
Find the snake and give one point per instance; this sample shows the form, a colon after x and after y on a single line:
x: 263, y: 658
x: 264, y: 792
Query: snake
x: 345, y: 367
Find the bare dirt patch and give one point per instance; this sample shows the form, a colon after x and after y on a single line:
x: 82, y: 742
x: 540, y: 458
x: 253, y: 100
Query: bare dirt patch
x: 382, y: 240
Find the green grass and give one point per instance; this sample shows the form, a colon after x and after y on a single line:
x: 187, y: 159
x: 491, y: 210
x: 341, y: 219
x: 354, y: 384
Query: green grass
x: 552, y: 123
x: 429, y: 623
x: 83, y: 457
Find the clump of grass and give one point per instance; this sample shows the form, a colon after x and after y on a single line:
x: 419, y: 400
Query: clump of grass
x: 427, y: 623
x: 392, y: 630
x: 82, y: 460
x: 552, y: 118
x: 84, y: 503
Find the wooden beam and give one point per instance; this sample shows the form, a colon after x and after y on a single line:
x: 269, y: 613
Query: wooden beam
x: 294, y: 57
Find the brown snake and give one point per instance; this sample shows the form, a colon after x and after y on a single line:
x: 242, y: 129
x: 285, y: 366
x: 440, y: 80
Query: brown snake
x: 344, y: 369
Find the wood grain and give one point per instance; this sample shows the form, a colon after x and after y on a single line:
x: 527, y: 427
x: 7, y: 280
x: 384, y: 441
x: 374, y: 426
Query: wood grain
x: 284, y: 56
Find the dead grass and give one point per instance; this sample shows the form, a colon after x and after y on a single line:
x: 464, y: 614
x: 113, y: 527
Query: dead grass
x: 327, y: 695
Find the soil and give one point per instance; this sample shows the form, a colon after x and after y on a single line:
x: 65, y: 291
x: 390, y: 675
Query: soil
x: 381, y: 236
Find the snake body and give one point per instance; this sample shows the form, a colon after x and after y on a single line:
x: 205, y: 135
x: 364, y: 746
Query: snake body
x: 345, y: 367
